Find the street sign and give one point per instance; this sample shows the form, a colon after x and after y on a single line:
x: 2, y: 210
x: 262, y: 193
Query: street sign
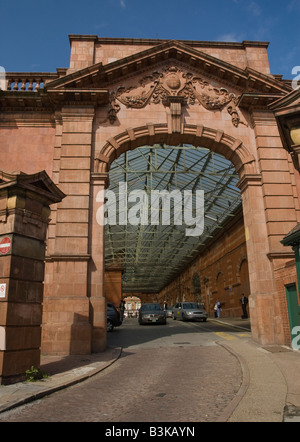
x: 2, y: 290
x: 5, y: 245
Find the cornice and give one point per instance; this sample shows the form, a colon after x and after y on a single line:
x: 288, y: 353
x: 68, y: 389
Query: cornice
x: 155, y: 42
x: 91, y: 84
x: 171, y: 50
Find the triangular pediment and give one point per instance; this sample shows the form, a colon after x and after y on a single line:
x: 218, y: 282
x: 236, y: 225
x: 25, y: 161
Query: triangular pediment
x: 99, y: 77
x: 290, y: 102
x: 39, y: 183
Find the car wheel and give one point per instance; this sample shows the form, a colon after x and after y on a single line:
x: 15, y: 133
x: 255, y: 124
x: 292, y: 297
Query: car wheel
x: 109, y: 326
x: 204, y: 320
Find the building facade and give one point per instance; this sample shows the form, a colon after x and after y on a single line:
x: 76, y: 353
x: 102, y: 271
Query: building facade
x: 118, y: 95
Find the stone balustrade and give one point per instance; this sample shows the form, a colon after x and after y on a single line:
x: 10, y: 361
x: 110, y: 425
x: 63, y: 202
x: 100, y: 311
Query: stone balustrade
x: 28, y: 82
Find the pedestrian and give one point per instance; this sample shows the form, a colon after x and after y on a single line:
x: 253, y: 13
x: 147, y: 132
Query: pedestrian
x: 217, y: 309
x: 244, y: 302
x: 122, y: 309
x: 165, y: 305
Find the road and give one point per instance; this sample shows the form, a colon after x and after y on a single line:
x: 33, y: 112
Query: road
x: 166, y: 373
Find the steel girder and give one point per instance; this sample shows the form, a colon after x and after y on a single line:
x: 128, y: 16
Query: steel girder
x: 152, y: 255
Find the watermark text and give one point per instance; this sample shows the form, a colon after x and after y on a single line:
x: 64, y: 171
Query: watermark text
x: 141, y: 208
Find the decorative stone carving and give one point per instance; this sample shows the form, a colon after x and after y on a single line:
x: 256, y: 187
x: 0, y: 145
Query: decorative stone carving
x: 173, y: 82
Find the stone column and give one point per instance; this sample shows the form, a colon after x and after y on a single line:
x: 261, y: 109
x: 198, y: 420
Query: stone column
x: 66, y: 321
x: 261, y: 300
x: 24, y: 218
x: 279, y: 201
x: 99, y: 182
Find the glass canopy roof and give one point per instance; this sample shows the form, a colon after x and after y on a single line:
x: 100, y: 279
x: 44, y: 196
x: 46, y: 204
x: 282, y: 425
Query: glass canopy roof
x: 152, y: 254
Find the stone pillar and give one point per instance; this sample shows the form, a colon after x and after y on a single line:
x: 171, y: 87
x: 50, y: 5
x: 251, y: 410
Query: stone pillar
x: 66, y: 314
x: 24, y: 217
x: 273, y: 203
x: 261, y: 300
x: 99, y: 182
x: 113, y: 284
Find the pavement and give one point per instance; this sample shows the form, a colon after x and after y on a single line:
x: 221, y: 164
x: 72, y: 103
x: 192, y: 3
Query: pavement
x: 270, y: 389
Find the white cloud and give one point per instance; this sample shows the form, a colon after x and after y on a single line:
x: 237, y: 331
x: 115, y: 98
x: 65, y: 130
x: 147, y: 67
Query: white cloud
x: 293, y: 6
x: 254, y: 9
x: 230, y: 37
x: 122, y: 3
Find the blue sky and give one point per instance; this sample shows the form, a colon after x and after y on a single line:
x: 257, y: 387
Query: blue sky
x: 34, y: 34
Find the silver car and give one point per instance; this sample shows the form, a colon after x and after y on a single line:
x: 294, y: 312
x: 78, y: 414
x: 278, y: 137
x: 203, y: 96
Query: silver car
x: 189, y: 311
x: 169, y: 312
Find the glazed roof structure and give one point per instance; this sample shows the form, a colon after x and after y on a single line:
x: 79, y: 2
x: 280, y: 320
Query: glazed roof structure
x: 153, y: 254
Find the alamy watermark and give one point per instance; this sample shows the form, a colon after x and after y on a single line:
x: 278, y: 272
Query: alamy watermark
x: 141, y: 208
x: 296, y: 338
x: 296, y: 71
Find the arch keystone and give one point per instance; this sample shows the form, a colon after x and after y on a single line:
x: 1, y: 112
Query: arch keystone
x: 219, y: 136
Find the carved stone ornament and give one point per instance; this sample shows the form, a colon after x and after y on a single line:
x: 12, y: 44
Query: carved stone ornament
x: 160, y: 87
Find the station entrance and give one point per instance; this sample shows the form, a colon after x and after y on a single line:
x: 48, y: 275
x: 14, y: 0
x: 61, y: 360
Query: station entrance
x: 161, y: 260
x: 168, y: 117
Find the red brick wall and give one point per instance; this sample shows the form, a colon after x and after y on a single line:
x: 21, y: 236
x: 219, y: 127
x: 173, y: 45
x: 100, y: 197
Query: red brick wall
x: 223, y: 273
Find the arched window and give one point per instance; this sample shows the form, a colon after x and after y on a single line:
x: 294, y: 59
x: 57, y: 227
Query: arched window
x: 197, y: 285
x: 220, y: 282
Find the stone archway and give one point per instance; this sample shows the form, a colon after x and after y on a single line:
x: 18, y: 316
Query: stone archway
x: 250, y: 184
x: 216, y: 140
x: 109, y: 101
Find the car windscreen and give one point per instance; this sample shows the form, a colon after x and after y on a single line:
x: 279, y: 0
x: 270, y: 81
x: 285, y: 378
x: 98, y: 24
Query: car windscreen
x: 151, y: 307
x: 189, y: 305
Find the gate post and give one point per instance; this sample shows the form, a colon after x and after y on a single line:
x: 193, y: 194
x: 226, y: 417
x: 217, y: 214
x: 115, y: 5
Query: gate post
x: 261, y: 300
x: 24, y: 218
x: 99, y: 182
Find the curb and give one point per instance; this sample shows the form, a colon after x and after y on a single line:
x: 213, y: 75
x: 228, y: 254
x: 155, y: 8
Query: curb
x: 227, y: 413
x: 59, y: 384
x: 231, y: 325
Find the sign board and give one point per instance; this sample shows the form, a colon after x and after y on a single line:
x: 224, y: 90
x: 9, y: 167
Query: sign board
x: 5, y: 245
x: 2, y: 339
x: 2, y: 290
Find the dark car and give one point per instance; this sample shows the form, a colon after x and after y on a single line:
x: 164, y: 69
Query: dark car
x: 113, y: 317
x: 152, y: 313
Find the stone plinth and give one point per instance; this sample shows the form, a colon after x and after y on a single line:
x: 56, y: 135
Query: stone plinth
x: 24, y: 217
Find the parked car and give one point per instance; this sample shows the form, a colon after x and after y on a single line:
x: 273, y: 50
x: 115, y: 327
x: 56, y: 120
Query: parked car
x: 152, y: 314
x: 169, y: 312
x: 113, y: 317
x: 189, y: 311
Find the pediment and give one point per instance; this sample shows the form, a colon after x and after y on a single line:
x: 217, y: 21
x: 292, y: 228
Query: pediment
x: 38, y: 183
x: 288, y: 104
x: 99, y: 77
x: 287, y: 113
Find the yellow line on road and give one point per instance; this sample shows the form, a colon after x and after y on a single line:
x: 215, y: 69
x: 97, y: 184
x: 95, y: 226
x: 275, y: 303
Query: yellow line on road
x: 226, y: 336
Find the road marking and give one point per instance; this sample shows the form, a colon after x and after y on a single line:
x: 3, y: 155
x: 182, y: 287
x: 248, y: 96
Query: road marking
x: 226, y: 336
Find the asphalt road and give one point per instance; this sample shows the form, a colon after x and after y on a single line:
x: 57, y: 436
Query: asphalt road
x: 166, y: 373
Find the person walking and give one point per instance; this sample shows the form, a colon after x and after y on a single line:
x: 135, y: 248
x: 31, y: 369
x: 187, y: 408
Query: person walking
x: 217, y: 309
x: 244, y: 302
x: 122, y: 309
